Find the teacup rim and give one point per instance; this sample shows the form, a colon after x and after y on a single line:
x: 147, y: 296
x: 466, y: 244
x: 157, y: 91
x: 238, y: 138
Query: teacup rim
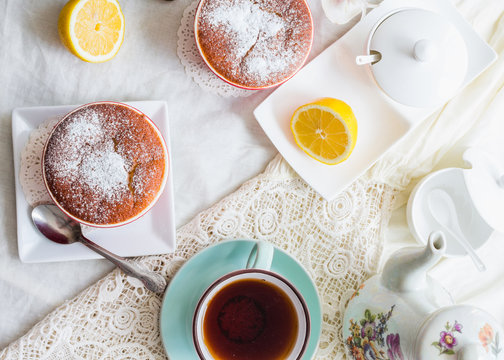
x: 238, y: 272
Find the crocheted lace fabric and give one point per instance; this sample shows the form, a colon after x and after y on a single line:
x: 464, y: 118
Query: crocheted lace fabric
x: 194, y: 65
x: 338, y: 242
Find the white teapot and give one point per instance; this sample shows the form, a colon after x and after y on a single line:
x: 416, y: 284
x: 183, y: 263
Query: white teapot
x: 403, y: 314
x: 417, y: 57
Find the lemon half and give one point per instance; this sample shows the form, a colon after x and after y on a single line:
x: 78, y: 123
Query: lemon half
x: 326, y: 130
x: 92, y: 30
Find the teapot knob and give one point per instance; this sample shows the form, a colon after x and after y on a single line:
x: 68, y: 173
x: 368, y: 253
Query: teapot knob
x: 472, y: 352
x: 424, y: 50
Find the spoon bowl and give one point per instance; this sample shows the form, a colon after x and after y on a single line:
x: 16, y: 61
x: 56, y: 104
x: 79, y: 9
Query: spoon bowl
x: 58, y: 227
x: 50, y: 221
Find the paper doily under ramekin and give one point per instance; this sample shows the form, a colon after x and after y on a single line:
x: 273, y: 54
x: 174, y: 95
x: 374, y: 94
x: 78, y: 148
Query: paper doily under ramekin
x: 194, y: 65
x: 30, y: 171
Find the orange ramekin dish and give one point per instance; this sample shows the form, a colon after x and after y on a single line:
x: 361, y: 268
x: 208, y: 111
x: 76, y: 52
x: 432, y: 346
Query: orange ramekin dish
x: 254, y: 45
x: 105, y: 164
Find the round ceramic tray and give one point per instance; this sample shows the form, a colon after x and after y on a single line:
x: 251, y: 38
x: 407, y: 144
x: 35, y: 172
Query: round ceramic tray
x: 422, y: 222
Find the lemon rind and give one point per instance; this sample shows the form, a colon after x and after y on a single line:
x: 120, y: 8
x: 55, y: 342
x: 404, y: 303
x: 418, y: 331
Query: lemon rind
x: 352, y: 137
x: 74, y: 46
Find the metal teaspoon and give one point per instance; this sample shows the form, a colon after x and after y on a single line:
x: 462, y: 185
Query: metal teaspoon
x: 58, y: 227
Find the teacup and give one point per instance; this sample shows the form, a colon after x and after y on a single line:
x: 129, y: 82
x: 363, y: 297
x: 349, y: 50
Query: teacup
x: 252, y: 313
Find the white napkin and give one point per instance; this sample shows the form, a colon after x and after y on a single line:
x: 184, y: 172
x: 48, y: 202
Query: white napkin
x: 342, y: 11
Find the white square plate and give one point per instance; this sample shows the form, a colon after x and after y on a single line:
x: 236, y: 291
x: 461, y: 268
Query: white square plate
x: 334, y: 73
x: 153, y: 233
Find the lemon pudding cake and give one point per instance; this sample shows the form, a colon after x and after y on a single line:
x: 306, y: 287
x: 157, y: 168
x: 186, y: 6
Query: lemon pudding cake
x: 254, y: 43
x: 105, y: 164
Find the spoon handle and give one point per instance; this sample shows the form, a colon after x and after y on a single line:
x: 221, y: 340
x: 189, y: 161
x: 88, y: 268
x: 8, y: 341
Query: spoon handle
x: 457, y: 234
x: 153, y: 281
x: 444, y: 211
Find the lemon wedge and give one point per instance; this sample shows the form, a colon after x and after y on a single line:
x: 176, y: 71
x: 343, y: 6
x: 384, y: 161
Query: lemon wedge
x: 92, y: 30
x: 326, y: 130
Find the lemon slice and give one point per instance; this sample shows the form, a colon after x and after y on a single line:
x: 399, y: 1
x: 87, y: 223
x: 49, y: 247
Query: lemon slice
x: 92, y: 30
x: 326, y: 130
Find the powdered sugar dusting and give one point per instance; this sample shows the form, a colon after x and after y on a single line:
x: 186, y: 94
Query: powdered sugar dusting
x: 255, y: 42
x: 104, y: 170
x: 91, y: 158
x: 244, y: 21
x: 104, y: 163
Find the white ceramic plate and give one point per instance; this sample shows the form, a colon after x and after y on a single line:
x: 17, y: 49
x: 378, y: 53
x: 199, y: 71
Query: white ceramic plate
x: 381, y: 121
x: 153, y: 233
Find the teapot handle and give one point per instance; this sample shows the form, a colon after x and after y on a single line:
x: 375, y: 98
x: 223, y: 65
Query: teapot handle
x: 372, y: 58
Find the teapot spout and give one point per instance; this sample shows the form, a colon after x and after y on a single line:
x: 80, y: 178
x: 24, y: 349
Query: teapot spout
x: 372, y: 58
x: 406, y: 270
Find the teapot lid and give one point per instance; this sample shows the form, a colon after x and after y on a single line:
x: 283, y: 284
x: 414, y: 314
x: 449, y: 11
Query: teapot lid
x: 423, y: 57
x: 469, y: 332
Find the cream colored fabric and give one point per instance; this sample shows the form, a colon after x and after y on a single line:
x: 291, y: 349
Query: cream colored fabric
x: 468, y: 119
x: 342, y: 11
x: 475, y: 118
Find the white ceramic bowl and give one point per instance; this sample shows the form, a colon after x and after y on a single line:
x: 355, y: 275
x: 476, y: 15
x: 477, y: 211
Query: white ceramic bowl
x: 421, y: 222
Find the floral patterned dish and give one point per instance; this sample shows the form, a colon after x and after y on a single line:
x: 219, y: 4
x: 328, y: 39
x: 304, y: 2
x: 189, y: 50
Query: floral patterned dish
x: 461, y: 332
x: 403, y: 314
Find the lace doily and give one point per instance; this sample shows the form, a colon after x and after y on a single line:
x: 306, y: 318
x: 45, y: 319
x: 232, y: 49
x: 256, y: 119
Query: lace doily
x: 194, y: 64
x: 338, y: 242
x: 30, y: 171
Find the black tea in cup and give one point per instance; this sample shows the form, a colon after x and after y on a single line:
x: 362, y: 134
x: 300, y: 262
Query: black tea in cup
x: 250, y: 319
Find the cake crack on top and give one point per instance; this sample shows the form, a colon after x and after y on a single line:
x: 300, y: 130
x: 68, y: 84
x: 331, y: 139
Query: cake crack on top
x: 242, y: 62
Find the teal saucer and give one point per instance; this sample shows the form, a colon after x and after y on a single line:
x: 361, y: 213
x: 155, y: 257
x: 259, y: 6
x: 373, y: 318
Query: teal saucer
x: 195, y: 276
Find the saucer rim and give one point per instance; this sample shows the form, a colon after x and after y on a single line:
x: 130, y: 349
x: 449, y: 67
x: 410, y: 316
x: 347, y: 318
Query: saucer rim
x: 314, y: 304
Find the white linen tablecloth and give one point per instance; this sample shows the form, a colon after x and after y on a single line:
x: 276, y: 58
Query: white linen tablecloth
x: 216, y: 142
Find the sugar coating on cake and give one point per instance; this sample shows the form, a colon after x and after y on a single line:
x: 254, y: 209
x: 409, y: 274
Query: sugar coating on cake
x: 255, y: 43
x: 104, y: 163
